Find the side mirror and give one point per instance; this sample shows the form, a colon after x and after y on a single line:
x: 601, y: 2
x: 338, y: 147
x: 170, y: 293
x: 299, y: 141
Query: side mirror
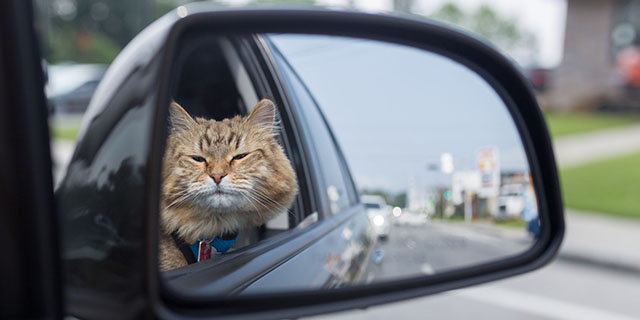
x: 411, y: 145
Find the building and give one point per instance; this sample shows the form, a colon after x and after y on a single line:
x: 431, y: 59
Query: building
x: 589, y: 76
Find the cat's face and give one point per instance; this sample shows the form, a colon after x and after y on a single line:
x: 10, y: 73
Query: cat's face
x: 229, y: 167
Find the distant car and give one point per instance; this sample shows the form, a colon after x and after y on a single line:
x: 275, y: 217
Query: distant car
x: 379, y: 213
x: 411, y: 218
x: 511, y: 202
x: 71, y: 86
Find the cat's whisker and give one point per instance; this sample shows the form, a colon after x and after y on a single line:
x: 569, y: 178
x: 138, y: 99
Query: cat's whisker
x: 249, y: 200
x: 265, y: 198
x: 178, y: 201
x: 278, y: 207
x: 253, y: 199
x: 184, y: 196
x: 272, y: 201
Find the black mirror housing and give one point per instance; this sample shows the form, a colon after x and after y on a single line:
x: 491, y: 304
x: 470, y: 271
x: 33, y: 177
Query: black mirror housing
x: 163, y: 40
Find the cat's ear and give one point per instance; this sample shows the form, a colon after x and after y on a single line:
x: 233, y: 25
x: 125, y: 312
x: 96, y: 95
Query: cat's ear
x: 179, y: 118
x: 264, y: 114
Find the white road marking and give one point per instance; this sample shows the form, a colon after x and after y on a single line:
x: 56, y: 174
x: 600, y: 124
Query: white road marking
x: 370, y: 277
x: 426, y: 268
x: 538, y: 305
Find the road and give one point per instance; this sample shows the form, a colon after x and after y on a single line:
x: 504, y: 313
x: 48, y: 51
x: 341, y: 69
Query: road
x: 562, y: 290
x: 439, y: 246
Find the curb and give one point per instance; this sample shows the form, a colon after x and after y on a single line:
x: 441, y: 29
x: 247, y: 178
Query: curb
x: 600, y: 262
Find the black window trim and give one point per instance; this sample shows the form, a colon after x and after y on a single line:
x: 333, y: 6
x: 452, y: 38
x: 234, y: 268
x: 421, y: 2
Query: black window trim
x: 346, y: 175
x: 260, y: 72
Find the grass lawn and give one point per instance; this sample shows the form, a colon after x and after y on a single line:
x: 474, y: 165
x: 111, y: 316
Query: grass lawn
x: 609, y: 186
x: 561, y: 124
x: 514, y: 223
x: 68, y: 133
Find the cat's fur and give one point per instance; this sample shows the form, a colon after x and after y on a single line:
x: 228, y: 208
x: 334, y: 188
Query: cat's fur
x: 253, y: 190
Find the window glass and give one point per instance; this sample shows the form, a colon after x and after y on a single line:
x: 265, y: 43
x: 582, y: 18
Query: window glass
x: 372, y: 206
x: 335, y: 187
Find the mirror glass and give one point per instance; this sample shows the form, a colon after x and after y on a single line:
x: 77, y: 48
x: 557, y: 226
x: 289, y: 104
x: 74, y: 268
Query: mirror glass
x: 383, y: 162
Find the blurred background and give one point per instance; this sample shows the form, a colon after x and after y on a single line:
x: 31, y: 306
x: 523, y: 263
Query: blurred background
x: 582, y: 57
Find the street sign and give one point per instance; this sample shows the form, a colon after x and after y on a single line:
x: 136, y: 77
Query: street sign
x: 446, y: 162
x: 489, y: 169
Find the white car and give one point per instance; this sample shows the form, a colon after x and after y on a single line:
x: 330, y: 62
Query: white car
x: 511, y: 202
x: 410, y: 218
x: 71, y: 86
x: 379, y: 213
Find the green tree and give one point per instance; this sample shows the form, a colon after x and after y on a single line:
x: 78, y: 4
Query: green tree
x: 450, y: 13
x: 283, y: 2
x: 489, y: 24
x: 392, y: 199
x: 93, y: 31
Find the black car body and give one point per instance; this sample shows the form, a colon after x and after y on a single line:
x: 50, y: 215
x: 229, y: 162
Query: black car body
x: 91, y: 251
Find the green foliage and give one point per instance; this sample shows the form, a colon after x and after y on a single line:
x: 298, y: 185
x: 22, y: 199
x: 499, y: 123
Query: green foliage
x: 92, y: 31
x: 564, y: 124
x: 68, y: 133
x: 450, y: 13
x: 611, y: 186
x: 513, y: 223
x: 392, y: 199
x: 98, y: 48
x: 487, y: 23
x: 282, y: 2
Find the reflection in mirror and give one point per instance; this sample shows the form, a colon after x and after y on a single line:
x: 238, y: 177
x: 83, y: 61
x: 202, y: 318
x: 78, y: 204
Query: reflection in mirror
x: 385, y: 162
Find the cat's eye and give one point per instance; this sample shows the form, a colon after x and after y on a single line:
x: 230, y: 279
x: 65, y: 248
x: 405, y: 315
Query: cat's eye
x: 198, y: 159
x: 238, y: 157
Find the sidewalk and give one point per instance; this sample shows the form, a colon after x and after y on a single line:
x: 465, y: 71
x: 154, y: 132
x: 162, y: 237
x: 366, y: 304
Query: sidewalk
x: 602, y: 241
x: 594, y: 238
x: 579, y: 149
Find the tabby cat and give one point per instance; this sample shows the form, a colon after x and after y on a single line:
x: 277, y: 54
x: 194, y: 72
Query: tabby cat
x: 218, y: 177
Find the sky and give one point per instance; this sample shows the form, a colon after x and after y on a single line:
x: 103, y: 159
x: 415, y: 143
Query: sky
x: 545, y: 19
x: 395, y: 110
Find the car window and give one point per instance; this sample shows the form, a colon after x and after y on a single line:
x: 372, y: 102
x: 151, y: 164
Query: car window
x: 88, y: 87
x: 372, y: 206
x: 335, y: 189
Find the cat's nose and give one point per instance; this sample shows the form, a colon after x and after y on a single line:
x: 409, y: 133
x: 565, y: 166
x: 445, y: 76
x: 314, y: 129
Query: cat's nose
x: 217, y: 176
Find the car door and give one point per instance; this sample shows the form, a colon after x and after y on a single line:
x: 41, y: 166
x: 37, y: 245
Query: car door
x: 329, y: 238
x: 340, y: 255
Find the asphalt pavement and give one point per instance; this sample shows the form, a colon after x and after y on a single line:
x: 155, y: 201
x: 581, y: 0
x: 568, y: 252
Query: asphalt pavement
x: 437, y: 246
x: 568, y: 288
x: 602, y: 241
x: 562, y: 290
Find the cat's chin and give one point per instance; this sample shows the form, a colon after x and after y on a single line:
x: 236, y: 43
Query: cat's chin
x: 223, y: 202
